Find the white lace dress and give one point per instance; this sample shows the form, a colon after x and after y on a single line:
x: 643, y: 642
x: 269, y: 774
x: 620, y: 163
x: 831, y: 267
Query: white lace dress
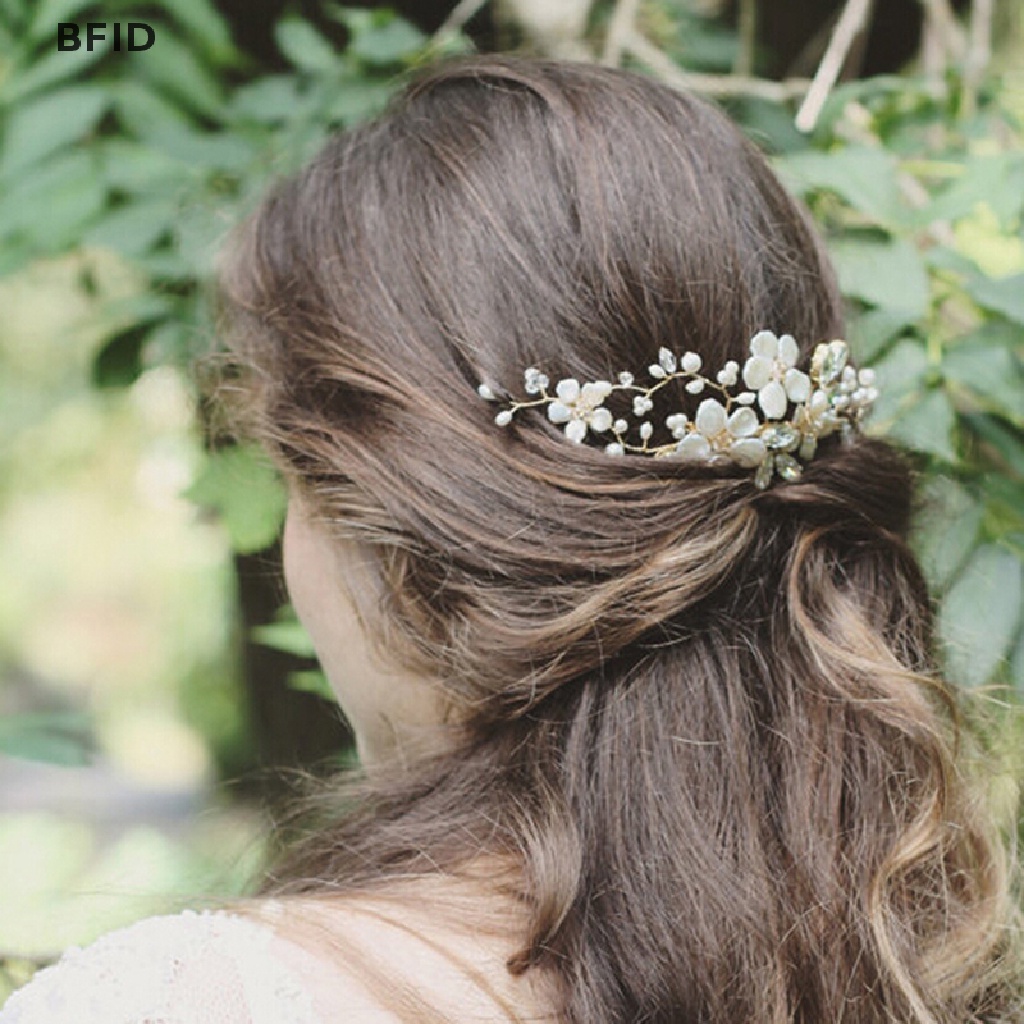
x: 190, y: 968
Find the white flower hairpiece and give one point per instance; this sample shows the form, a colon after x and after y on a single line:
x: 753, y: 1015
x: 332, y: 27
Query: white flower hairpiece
x: 833, y: 396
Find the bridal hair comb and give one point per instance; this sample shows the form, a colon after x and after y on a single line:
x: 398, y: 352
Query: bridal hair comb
x: 832, y: 397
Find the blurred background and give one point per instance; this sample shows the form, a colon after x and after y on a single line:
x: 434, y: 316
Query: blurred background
x: 155, y: 689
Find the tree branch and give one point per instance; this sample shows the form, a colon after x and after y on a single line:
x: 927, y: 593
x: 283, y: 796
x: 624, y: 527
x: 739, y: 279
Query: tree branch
x: 851, y: 23
x: 712, y: 85
x: 979, y: 50
x: 461, y: 13
x: 620, y: 26
x: 943, y: 21
x: 744, y: 63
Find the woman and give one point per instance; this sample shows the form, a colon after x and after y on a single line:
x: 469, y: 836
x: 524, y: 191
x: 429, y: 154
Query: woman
x: 644, y: 738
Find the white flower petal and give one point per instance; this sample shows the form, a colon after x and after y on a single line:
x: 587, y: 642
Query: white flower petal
x: 789, y: 351
x: 691, y: 362
x: 772, y: 399
x: 558, y: 413
x: 594, y: 393
x: 615, y: 448
x: 743, y: 422
x: 764, y: 344
x: 798, y: 385
x: 642, y: 404
x: 757, y: 372
x: 625, y: 378
x: 646, y: 430
x: 485, y: 392
x: 748, y: 451
x: 600, y: 420
x: 695, y: 386
x: 746, y: 398
x: 568, y: 390
x: 710, y: 418
x: 620, y: 426
x: 693, y: 446
x: 576, y: 430
x: 667, y: 360
x: 504, y: 418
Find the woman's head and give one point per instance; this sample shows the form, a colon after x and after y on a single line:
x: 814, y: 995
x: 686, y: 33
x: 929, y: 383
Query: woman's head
x: 704, y: 718
x: 508, y: 213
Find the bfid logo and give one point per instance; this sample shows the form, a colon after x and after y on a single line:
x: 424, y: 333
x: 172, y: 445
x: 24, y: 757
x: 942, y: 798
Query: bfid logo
x: 69, y: 35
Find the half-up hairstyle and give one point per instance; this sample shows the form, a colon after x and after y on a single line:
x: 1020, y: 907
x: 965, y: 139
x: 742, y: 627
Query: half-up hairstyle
x: 705, y: 721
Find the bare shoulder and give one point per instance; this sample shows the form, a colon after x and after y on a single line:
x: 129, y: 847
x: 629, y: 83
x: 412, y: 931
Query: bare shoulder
x: 405, y: 955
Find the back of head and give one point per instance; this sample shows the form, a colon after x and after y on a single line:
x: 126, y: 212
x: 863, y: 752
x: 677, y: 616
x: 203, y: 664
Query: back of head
x: 704, y: 717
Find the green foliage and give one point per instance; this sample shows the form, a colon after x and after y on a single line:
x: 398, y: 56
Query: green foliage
x: 922, y: 211
x: 155, y: 154
x: 286, y: 633
x: 242, y: 487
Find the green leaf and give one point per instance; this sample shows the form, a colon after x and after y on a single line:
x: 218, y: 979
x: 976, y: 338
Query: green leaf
x: 1007, y: 443
x: 206, y: 27
x: 207, y: 151
x: 268, y: 100
x: 865, y: 178
x: 990, y: 372
x: 49, y: 12
x: 132, y: 167
x: 947, y: 528
x: 980, y: 615
x: 289, y: 636
x: 57, y: 737
x: 119, y: 362
x: 996, y: 179
x: 51, y: 206
x: 385, y: 39
x: 198, y: 232
x: 358, y: 99
x: 243, y: 487
x: 174, y: 68
x: 1004, y: 296
x: 901, y: 377
x: 928, y: 425
x: 314, y: 682
x: 873, y: 330
x: 49, y: 123
x: 889, y: 274
x: 1004, y: 505
x: 49, y: 70
x: 144, y: 113
x: 304, y: 47
x: 134, y: 229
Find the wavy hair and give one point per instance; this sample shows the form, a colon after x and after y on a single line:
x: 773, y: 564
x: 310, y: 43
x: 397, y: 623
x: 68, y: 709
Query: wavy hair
x: 706, y: 722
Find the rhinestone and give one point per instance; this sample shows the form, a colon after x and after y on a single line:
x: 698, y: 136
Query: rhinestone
x: 781, y: 437
x: 829, y: 361
x: 788, y: 467
x: 763, y: 475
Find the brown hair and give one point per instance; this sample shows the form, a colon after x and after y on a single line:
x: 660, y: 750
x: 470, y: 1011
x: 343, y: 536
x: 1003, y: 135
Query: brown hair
x: 705, y: 720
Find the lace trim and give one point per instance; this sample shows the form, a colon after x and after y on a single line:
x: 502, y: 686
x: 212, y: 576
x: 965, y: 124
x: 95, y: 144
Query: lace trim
x: 197, y: 967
